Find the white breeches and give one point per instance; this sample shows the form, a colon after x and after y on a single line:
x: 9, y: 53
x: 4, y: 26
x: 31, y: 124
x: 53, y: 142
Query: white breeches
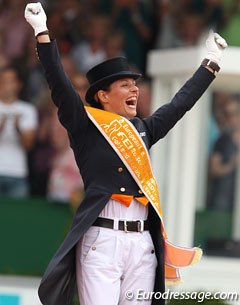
x: 109, y: 263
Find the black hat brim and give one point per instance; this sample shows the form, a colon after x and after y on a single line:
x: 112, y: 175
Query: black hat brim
x: 98, y: 85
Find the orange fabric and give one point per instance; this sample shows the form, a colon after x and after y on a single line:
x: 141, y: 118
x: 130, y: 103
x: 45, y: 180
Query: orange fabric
x: 178, y: 256
x: 124, y: 199
x: 127, y: 199
x: 171, y: 273
x: 126, y: 142
x: 143, y: 200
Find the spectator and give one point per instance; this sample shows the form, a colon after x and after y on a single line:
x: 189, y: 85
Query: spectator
x: 80, y: 83
x: 114, y: 45
x: 14, y: 30
x: 42, y: 151
x: 3, y: 58
x: 224, y: 161
x: 133, y: 19
x: 217, y: 117
x: 68, y: 64
x: 34, y: 80
x: 18, y: 123
x: 145, y: 99
x: 166, y: 30
x: 91, y: 51
x: 57, y: 23
x: 74, y: 12
x: 183, y: 22
x: 212, y: 11
x: 189, y: 30
x: 64, y: 179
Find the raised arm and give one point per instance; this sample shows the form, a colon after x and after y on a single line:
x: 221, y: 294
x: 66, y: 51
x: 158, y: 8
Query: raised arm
x: 168, y: 115
x: 70, y: 107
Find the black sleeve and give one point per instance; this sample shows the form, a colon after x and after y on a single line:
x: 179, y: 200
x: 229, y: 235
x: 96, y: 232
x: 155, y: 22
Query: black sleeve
x: 163, y: 119
x: 71, y: 110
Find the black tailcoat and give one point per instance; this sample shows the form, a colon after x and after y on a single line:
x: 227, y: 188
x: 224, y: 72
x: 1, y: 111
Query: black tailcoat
x: 98, y: 164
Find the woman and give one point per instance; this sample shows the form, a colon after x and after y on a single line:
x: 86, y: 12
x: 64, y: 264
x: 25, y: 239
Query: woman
x: 117, y: 239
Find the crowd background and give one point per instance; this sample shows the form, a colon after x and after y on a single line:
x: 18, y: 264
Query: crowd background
x: 87, y: 32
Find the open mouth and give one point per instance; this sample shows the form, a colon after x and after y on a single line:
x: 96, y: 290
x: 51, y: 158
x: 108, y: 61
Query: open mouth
x: 132, y: 102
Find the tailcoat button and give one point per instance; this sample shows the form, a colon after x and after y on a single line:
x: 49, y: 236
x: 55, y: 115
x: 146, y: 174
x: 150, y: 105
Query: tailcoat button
x: 120, y: 169
x: 122, y: 189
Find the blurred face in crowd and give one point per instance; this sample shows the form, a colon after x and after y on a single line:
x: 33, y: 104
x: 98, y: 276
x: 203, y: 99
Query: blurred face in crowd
x: 80, y: 84
x: 121, y: 98
x: 144, y: 101
x: 9, y: 85
x: 190, y: 28
x: 232, y: 112
x: 97, y: 28
x: 114, y: 45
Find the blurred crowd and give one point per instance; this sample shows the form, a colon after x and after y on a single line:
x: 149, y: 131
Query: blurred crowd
x: 224, y: 151
x: 35, y: 158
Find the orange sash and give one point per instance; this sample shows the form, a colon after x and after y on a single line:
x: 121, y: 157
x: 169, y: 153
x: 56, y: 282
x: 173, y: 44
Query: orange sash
x: 126, y: 142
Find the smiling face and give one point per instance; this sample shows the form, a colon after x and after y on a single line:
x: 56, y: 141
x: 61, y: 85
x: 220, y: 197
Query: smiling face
x: 121, y: 98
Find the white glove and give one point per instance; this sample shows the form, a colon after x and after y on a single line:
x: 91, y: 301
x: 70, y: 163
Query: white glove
x: 215, y: 45
x: 35, y: 15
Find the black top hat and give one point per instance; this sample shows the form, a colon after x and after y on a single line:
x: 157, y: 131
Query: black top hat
x: 105, y: 73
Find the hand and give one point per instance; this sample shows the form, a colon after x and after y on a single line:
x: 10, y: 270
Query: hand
x: 17, y: 123
x: 3, y: 121
x: 35, y: 15
x: 215, y: 45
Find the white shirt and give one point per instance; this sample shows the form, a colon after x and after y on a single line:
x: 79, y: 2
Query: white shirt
x: 116, y: 210
x: 84, y: 58
x: 13, y: 159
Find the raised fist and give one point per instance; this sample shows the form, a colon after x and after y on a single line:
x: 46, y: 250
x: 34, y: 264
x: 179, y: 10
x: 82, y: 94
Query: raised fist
x: 35, y: 15
x: 215, y: 45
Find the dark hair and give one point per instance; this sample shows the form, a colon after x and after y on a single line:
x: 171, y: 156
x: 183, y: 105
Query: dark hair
x: 97, y: 103
x: 11, y: 67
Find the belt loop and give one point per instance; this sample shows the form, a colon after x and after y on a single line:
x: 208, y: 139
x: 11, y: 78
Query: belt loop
x: 140, y: 225
x: 125, y: 226
x: 115, y: 224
